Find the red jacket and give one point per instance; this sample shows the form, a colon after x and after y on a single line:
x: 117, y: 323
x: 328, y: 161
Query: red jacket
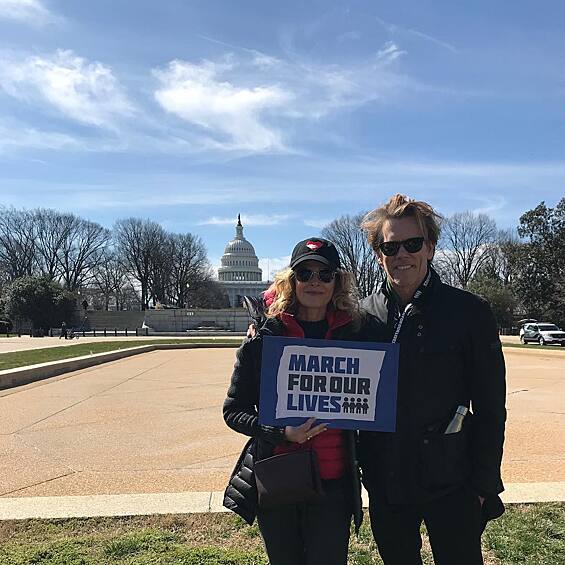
x: 330, y: 446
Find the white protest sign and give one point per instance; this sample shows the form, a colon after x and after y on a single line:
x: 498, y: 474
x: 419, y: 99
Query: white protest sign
x: 324, y: 382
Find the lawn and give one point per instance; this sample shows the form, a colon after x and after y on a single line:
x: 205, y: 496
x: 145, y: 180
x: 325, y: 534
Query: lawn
x: 526, y: 534
x: 33, y: 356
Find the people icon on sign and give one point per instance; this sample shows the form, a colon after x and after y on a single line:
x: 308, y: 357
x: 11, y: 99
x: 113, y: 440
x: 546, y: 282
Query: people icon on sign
x: 355, y: 406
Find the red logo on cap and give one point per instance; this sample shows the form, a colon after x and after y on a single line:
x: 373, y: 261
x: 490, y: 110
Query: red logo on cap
x: 313, y: 245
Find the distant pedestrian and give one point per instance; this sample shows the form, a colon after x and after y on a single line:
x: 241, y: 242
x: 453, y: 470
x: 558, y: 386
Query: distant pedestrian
x: 64, y: 331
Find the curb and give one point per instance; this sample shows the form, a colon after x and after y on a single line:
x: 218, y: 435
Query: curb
x: 113, y: 505
x: 31, y: 373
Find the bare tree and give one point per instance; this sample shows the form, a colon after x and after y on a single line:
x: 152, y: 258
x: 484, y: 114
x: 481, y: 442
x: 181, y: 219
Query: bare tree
x: 189, y: 266
x: 357, y: 255
x: 465, y: 246
x: 17, y: 243
x: 136, y: 243
x: 161, y: 268
x: 52, y: 230
x: 110, y: 278
x: 81, y: 250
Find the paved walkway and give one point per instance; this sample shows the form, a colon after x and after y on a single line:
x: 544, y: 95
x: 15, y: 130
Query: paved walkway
x: 88, y: 506
x: 152, y: 425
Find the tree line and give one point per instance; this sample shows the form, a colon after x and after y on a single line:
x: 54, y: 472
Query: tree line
x: 521, y: 272
x: 134, y: 264
x: 137, y: 262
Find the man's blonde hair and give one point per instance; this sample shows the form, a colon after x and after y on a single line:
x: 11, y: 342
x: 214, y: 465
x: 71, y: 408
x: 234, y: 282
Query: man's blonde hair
x: 400, y: 206
x: 344, y: 296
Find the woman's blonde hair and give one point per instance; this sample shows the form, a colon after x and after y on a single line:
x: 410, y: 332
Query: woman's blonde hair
x: 344, y: 296
x: 400, y: 206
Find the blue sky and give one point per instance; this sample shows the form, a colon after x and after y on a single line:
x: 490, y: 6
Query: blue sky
x: 290, y: 113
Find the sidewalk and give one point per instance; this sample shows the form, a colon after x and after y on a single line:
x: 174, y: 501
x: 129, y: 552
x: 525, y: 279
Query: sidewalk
x: 146, y: 435
x: 51, y: 507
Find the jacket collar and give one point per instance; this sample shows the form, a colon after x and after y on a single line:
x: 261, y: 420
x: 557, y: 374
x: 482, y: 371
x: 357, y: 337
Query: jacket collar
x: 422, y: 292
x: 386, y: 308
x: 335, y: 318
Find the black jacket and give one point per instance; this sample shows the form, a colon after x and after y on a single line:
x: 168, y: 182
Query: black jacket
x: 240, y: 414
x: 450, y: 355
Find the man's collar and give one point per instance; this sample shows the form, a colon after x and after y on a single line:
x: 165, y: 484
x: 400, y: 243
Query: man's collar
x: 388, y: 290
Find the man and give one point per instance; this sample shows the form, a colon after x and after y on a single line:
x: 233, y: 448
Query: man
x: 450, y: 356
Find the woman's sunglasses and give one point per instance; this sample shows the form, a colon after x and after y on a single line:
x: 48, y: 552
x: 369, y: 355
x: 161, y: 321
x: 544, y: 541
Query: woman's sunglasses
x: 412, y: 245
x: 305, y: 275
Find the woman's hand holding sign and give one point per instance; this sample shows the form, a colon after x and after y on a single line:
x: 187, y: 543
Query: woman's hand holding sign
x: 304, y: 432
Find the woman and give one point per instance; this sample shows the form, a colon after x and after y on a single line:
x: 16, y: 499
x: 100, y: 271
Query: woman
x: 313, y: 298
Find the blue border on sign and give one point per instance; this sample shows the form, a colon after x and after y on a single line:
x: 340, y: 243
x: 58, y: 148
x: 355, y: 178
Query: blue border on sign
x: 385, y: 410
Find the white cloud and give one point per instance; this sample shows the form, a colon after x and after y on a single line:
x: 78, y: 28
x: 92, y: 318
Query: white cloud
x: 30, y: 138
x: 490, y: 205
x: 201, y: 96
x: 399, y: 30
x: 29, y: 11
x: 83, y: 91
x: 320, y: 90
x: 244, y: 101
x: 251, y: 220
x: 319, y: 224
x: 390, y: 52
x: 265, y: 61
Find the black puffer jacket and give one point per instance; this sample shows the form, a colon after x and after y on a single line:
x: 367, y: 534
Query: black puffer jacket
x: 450, y: 355
x: 240, y: 414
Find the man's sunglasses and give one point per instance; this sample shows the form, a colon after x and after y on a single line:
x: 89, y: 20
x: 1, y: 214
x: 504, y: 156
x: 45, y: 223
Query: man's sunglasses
x: 412, y: 245
x: 305, y: 275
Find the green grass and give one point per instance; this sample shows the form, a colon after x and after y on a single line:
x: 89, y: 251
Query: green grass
x: 15, y: 359
x: 532, y: 534
x: 527, y: 534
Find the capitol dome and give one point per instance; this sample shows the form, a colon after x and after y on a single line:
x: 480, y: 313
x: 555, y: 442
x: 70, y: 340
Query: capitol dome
x: 239, y: 262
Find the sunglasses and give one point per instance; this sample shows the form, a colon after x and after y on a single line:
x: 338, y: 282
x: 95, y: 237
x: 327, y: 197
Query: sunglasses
x: 305, y: 275
x: 412, y: 245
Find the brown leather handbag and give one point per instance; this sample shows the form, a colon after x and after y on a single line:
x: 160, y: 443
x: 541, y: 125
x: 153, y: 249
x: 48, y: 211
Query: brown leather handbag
x: 288, y: 478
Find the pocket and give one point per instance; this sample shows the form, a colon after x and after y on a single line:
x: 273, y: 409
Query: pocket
x: 444, y: 459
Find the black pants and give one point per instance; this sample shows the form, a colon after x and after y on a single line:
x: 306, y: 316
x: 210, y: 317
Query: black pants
x: 315, y: 533
x: 454, y: 525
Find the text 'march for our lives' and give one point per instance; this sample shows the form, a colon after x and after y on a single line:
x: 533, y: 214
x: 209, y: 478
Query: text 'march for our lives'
x: 348, y: 384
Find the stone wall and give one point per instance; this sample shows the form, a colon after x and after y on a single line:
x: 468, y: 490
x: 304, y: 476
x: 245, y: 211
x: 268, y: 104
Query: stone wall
x: 111, y: 319
x: 229, y: 319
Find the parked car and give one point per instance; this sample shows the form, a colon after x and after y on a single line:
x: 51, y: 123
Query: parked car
x: 544, y: 333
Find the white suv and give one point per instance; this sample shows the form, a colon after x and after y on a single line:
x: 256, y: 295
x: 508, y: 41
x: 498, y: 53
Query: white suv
x: 543, y: 333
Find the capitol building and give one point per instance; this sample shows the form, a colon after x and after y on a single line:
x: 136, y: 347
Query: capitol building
x: 239, y: 274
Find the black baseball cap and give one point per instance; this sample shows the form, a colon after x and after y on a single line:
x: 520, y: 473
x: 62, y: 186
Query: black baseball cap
x: 315, y: 249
